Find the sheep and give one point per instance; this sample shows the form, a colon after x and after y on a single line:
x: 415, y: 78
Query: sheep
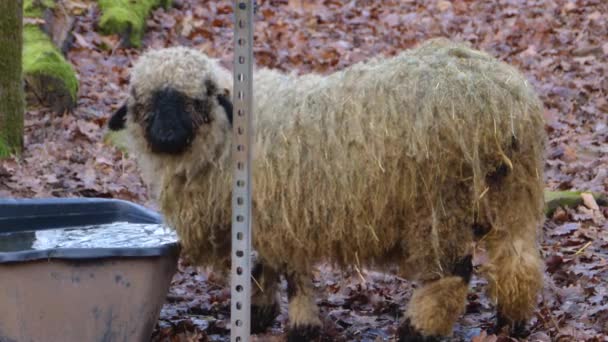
x: 407, y: 160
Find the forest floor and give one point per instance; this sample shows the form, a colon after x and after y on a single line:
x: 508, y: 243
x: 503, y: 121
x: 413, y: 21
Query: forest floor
x: 560, y: 45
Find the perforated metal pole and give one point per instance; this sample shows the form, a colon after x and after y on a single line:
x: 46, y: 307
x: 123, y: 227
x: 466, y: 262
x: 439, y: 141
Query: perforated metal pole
x: 240, y: 309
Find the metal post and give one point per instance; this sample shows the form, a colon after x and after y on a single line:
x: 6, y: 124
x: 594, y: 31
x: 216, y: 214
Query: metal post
x: 240, y: 309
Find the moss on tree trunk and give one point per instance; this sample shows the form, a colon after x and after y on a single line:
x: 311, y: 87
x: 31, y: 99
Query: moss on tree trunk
x: 572, y: 199
x: 11, y: 85
x: 127, y: 18
x: 36, y: 8
x: 50, y: 78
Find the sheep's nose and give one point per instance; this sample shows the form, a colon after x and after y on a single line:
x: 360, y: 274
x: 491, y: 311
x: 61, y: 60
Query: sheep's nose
x: 170, y: 128
x: 170, y: 133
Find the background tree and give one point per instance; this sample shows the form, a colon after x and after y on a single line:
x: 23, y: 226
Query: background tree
x: 11, y: 86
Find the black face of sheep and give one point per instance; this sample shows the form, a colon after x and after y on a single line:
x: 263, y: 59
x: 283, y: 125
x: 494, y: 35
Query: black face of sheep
x: 178, y: 105
x: 169, y: 127
x: 168, y: 122
x: 171, y: 122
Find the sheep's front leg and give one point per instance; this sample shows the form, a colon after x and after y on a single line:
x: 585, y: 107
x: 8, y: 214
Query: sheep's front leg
x: 304, y: 322
x: 265, y: 303
x: 435, y: 307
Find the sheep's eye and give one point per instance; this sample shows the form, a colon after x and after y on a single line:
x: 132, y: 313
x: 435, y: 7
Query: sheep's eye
x: 199, y: 106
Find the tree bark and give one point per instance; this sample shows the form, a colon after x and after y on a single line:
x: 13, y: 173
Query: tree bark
x: 12, y: 101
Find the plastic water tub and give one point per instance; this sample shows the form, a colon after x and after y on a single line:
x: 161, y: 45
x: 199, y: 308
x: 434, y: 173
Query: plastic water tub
x: 113, y: 293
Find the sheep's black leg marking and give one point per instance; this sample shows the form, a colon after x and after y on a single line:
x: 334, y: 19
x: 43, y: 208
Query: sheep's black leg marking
x: 407, y: 333
x: 304, y: 324
x: 505, y: 325
x: 464, y: 268
x: 305, y: 333
x: 292, y: 286
x: 118, y: 119
x: 263, y: 316
x: 480, y: 230
x: 265, y: 305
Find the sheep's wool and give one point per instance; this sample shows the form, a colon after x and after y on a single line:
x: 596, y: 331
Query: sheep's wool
x: 389, y: 161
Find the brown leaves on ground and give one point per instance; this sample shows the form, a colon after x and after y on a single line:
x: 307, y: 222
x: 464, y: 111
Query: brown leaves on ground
x: 561, y: 46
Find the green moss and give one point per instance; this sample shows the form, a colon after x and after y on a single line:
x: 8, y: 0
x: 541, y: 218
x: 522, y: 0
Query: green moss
x: 35, y: 8
x: 42, y: 58
x: 127, y: 17
x: 4, y: 150
x: 7, y: 151
x: 572, y: 199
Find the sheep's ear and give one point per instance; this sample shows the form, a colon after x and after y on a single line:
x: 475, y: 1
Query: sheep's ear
x: 224, y: 101
x: 118, y: 119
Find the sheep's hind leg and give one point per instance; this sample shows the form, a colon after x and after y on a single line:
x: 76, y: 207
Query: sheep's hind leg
x: 265, y: 303
x: 304, y: 322
x: 436, y: 306
x: 514, y: 275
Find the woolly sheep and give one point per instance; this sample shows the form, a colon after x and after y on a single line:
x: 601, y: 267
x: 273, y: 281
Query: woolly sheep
x: 406, y: 160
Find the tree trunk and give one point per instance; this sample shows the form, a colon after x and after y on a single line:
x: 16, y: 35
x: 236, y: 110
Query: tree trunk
x: 50, y: 80
x: 11, y: 86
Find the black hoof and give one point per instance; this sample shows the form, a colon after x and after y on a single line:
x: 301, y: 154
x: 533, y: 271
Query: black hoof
x: 304, y: 333
x: 505, y: 326
x: 407, y: 333
x: 262, y: 317
x: 464, y: 268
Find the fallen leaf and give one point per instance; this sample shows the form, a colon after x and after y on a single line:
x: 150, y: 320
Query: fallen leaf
x: 570, y: 154
x: 595, y: 15
x: 565, y: 229
x: 392, y: 19
x: 553, y: 262
x: 444, y: 5
x: 88, y: 129
x: 81, y: 41
x: 589, y: 201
